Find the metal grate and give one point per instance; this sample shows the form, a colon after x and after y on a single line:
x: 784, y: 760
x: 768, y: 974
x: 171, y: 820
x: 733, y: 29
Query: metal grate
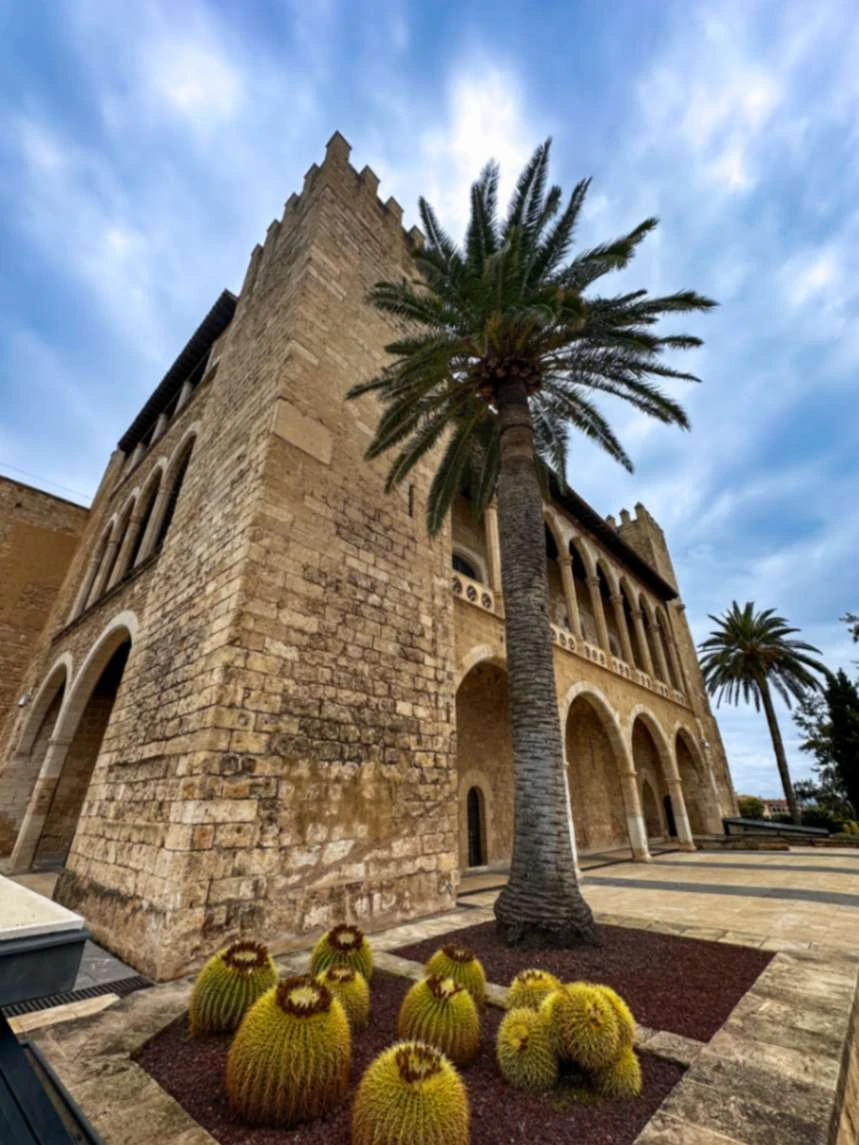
x: 122, y: 987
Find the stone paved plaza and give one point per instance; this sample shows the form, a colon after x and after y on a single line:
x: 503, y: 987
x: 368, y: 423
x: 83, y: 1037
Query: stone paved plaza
x: 783, y: 1070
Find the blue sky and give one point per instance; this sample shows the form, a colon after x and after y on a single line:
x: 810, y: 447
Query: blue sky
x: 144, y: 148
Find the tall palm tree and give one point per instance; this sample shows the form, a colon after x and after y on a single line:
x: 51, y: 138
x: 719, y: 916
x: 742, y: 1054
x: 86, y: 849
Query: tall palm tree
x: 502, y: 351
x: 748, y: 654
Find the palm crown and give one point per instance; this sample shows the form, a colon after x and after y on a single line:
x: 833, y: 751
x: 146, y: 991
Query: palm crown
x: 512, y: 302
x: 748, y: 649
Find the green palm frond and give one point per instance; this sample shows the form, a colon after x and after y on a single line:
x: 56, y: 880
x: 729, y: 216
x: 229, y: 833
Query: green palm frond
x: 748, y: 650
x: 514, y: 301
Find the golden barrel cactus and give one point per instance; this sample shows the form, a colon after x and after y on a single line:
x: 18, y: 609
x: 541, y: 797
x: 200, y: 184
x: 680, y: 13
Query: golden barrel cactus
x: 620, y: 1079
x: 289, y: 1061
x: 441, y: 1012
x: 343, y: 945
x: 459, y: 963
x: 228, y: 985
x: 410, y: 1095
x: 625, y: 1020
x: 583, y: 1025
x: 530, y: 987
x: 525, y: 1056
x: 350, y: 989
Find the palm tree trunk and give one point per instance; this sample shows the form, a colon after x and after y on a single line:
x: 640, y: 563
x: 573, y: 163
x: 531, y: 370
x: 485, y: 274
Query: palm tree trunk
x: 541, y: 905
x: 780, y: 757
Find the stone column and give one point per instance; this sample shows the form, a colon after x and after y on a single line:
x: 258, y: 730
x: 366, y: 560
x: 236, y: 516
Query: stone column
x: 493, y: 546
x: 184, y: 395
x: 599, y: 615
x: 86, y: 587
x: 120, y: 565
x: 635, y: 824
x: 620, y: 620
x: 155, y: 518
x: 673, y: 614
x: 566, y: 563
x: 681, y: 818
x: 106, y: 566
x: 661, y: 663
x: 641, y: 637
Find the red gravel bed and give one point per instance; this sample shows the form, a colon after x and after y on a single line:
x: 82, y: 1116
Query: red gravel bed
x: 192, y: 1072
x: 682, y: 985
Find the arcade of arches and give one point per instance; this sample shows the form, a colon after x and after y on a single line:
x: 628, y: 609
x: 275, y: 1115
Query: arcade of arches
x: 666, y: 789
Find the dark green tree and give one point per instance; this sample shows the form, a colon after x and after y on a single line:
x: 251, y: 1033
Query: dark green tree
x: 751, y: 807
x: 748, y: 655
x: 830, y: 724
x: 503, y: 349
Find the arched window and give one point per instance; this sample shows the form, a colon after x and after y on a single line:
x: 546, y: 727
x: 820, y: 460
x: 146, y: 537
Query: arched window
x: 476, y: 828
x: 461, y: 565
x: 175, y: 490
x: 143, y: 525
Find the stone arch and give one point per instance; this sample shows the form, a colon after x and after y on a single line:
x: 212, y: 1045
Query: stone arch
x: 477, y: 655
x: 60, y: 789
x: 698, y: 790
x: 596, y: 758
x: 557, y: 599
x: 582, y: 568
x: 471, y: 781
x: 607, y: 588
x: 627, y: 596
x: 22, y: 769
x: 653, y: 761
x: 671, y: 659
x: 651, y: 634
x: 147, y: 509
x: 484, y: 756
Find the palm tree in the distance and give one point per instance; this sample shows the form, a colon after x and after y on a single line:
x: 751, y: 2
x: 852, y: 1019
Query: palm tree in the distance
x: 747, y: 656
x: 503, y: 349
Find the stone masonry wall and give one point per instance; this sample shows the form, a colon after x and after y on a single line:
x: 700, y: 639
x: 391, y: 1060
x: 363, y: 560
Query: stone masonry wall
x: 38, y: 537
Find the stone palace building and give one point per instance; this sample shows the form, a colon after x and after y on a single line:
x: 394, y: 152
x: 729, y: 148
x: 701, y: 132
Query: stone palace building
x: 264, y: 700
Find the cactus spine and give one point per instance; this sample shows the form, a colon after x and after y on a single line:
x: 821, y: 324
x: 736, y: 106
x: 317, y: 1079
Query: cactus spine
x: 443, y: 1013
x: 622, y: 1078
x: 583, y: 1026
x: 459, y: 963
x: 228, y: 985
x: 625, y: 1020
x: 350, y: 989
x: 530, y: 987
x: 343, y: 945
x: 410, y: 1095
x: 289, y: 1061
x: 525, y: 1057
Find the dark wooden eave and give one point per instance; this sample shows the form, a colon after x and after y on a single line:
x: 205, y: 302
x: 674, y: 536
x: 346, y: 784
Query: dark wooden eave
x: 209, y: 330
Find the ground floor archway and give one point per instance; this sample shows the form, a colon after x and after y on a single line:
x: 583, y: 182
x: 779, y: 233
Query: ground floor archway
x: 594, y: 776
x: 701, y: 802
x: 484, y: 759
x: 651, y: 769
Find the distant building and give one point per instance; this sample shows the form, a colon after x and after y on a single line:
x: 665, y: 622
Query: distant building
x: 267, y: 700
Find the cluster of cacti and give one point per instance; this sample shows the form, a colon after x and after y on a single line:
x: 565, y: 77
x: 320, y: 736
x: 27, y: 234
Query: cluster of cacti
x: 530, y: 987
x: 586, y: 1031
x: 459, y: 963
x: 350, y: 989
x: 229, y: 983
x: 441, y: 1012
x: 525, y: 1056
x: 343, y: 945
x: 289, y: 1061
x: 410, y: 1095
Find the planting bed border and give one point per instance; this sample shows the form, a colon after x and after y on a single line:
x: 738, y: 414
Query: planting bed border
x: 784, y: 1067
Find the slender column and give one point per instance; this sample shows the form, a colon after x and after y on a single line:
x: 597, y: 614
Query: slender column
x: 86, y: 586
x: 184, y: 395
x: 155, y: 518
x: 160, y: 426
x: 677, y: 675
x: 635, y: 825
x: 620, y: 620
x: 120, y: 565
x: 566, y: 563
x: 599, y: 615
x: 493, y: 546
x: 681, y: 818
x: 661, y: 664
x: 107, y: 562
x: 641, y: 637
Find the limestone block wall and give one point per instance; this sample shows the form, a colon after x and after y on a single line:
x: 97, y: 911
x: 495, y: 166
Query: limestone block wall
x: 39, y: 534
